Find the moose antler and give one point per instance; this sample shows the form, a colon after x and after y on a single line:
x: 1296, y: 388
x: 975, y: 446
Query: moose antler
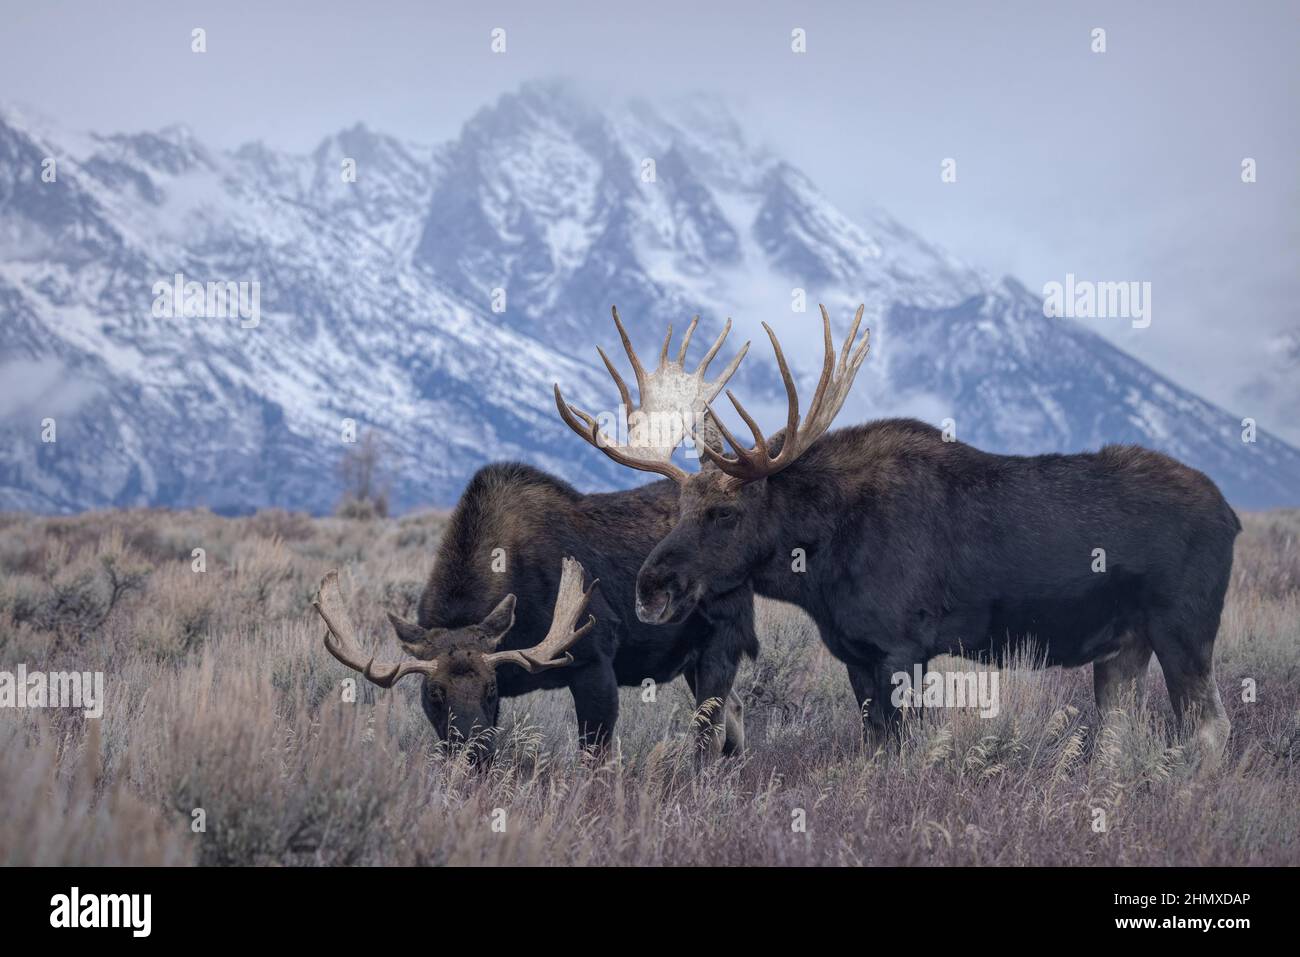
x: 553, y: 650
x: 340, y: 640
x: 751, y: 464
x: 671, y: 402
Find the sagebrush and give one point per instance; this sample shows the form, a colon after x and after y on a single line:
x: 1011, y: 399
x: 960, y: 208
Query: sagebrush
x: 226, y: 740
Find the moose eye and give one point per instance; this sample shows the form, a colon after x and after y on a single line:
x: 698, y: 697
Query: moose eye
x: 721, y: 514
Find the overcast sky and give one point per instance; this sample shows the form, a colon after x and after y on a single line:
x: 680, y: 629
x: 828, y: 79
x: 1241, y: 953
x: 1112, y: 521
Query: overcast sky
x: 1124, y: 165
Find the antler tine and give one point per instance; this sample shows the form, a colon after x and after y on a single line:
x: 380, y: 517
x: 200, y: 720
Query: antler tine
x: 848, y: 341
x: 828, y: 367
x: 637, y: 368
x: 717, y: 384
x: 571, y: 600
x: 569, y: 413
x: 791, y: 393
x: 553, y: 651
x: 686, y: 340
x: 754, y: 463
x: 713, y: 349
x: 713, y: 388
x: 663, y: 351
x: 834, y: 389
x: 624, y: 395
x: 760, y: 443
x: 748, y: 464
x: 865, y: 347
x: 340, y: 640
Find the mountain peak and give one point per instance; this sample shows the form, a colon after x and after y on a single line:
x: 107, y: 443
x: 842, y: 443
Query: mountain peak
x: 554, y: 102
x: 172, y: 150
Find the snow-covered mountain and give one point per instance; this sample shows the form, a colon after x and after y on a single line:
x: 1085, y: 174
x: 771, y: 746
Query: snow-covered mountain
x: 437, y: 297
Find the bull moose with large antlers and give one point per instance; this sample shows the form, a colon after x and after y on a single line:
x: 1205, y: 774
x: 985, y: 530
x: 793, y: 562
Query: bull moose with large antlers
x: 917, y: 546
x: 486, y: 629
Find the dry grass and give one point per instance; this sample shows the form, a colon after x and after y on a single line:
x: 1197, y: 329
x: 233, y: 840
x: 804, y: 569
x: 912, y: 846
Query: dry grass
x: 221, y: 699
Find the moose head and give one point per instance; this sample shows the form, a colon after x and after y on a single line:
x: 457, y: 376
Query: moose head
x: 459, y: 664
x: 726, y: 524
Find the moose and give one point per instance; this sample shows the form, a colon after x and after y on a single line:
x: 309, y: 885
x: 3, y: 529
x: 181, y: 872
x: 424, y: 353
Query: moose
x: 459, y: 663
x: 486, y: 628
x: 916, y: 546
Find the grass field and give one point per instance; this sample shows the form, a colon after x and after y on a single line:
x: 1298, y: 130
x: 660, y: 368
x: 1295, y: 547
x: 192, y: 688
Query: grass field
x: 224, y: 711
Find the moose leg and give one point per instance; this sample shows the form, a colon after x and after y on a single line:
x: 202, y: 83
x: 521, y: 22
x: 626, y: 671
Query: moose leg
x: 1121, y: 680
x: 1186, y: 657
x: 735, y: 742
x: 1194, y: 695
x: 1182, y: 632
x: 703, y: 721
x: 1195, y: 698
x: 873, y: 691
x: 727, y: 634
x: 863, y: 681
x: 595, y: 698
x: 734, y: 718
x: 710, y: 681
x: 1205, y: 707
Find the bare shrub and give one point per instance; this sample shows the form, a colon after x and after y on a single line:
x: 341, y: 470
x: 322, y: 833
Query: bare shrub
x: 1267, y: 557
x: 259, y: 566
x: 276, y: 523
x: 364, y: 497
x: 75, y: 596
x: 56, y: 809
x: 183, y: 608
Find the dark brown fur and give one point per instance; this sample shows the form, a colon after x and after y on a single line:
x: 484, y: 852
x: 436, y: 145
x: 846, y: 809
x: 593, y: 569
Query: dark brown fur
x: 917, y: 547
x: 536, y: 520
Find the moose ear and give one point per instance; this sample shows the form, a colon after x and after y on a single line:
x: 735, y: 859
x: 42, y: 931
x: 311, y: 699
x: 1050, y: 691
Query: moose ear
x: 411, y: 635
x: 501, y: 619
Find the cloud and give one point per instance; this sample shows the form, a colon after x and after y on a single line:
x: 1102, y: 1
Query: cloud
x: 42, y: 387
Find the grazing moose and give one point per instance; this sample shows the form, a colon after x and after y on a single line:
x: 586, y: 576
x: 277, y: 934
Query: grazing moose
x: 505, y: 539
x: 916, y: 546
